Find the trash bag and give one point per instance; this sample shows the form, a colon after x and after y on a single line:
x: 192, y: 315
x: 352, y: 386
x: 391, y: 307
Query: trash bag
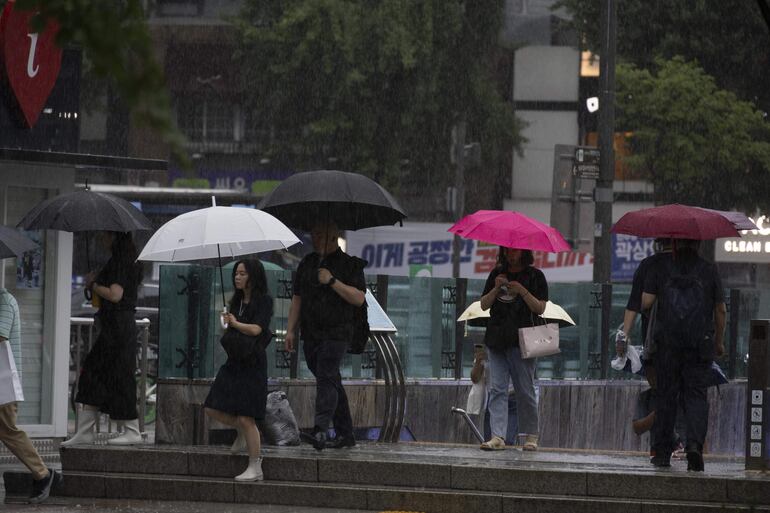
x: 280, y: 425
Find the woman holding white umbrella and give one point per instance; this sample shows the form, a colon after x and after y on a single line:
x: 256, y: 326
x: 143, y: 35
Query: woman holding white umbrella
x: 239, y: 393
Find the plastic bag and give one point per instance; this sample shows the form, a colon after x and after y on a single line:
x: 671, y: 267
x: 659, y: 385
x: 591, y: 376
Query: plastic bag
x: 475, y: 399
x: 632, y: 357
x: 280, y: 425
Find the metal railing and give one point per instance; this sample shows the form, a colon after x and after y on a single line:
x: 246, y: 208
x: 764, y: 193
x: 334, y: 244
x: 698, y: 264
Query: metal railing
x: 82, y: 338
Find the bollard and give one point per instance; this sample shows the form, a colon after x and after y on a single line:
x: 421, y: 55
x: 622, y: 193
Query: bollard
x: 758, y: 404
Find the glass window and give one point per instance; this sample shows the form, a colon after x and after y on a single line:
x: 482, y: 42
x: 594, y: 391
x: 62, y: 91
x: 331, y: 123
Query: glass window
x: 24, y: 279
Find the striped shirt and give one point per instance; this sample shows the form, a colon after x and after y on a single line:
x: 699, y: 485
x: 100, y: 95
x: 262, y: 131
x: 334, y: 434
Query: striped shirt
x: 10, y: 322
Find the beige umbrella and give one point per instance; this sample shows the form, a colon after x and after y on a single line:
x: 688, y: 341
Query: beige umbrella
x: 552, y: 312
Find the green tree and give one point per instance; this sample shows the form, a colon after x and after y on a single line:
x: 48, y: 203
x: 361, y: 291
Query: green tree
x: 697, y: 143
x: 117, y: 45
x: 376, y: 86
x: 729, y: 38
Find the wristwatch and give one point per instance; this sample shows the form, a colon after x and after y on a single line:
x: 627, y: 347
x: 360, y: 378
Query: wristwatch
x: 331, y: 281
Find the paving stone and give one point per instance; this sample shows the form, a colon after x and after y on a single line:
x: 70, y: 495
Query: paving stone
x: 529, y: 480
x: 432, y: 501
x: 141, y: 487
x: 77, y: 484
x: 124, y: 460
x: 290, y: 469
x: 315, y: 495
x: 387, y: 473
x: 751, y: 491
x: 659, y: 485
x: 216, y: 464
x: 541, y: 504
x: 663, y: 507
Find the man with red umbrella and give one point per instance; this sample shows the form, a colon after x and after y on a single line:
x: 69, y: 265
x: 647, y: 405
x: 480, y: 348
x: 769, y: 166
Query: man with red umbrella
x: 689, y: 334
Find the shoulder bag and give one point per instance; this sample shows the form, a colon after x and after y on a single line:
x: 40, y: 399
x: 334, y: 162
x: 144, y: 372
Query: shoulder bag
x: 539, y: 340
x: 238, y: 346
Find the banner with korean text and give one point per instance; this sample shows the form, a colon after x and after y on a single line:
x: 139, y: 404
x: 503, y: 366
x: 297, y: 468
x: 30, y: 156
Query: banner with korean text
x: 425, y: 249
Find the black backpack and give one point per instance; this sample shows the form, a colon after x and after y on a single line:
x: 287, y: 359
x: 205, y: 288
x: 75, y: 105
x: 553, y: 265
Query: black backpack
x: 360, y: 335
x: 682, y: 312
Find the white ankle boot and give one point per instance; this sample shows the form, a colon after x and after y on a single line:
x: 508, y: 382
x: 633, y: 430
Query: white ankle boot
x: 85, y: 431
x: 253, y: 472
x: 240, y: 443
x: 130, y: 436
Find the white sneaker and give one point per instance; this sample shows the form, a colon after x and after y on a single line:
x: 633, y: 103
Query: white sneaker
x: 253, y: 472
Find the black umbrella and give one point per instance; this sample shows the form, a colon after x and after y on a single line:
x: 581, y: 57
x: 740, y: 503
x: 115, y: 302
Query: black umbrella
x: 351, y: 200
x: 13, y: 243
x: 86, y: 210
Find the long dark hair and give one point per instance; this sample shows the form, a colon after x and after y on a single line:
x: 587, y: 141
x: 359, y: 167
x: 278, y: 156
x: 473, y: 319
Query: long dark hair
x: 527, y: 259
x: 257, y: 281
x: 124, y: 253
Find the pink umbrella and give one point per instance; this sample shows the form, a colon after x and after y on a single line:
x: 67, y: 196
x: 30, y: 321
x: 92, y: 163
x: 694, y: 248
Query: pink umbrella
x: 680, y: 222
x: 510, y: 229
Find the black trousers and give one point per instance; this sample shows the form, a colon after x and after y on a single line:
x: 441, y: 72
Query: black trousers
x: 331, y: 403
x: 682, y: 379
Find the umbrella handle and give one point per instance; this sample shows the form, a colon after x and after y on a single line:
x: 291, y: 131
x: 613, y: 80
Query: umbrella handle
x: 222, y: 320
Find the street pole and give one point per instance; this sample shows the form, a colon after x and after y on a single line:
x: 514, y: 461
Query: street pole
x: 603, y: 194
x: 459, y: 153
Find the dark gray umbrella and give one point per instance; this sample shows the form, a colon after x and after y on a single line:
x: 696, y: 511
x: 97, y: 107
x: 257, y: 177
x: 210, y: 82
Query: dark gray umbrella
x: 86, y: 210
x: 14, y: 243
x: 351, y: 200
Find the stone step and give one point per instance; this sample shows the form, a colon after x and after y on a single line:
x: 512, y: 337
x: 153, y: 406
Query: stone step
x: 336, y: 495
x: 608, y: 476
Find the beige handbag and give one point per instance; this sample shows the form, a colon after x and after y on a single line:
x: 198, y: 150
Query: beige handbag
x: 540, y: 340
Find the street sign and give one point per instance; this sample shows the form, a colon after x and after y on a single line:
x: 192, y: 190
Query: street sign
x: 586, y: 163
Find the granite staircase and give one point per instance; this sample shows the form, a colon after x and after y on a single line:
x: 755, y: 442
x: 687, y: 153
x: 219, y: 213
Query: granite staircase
x: 410, y: 477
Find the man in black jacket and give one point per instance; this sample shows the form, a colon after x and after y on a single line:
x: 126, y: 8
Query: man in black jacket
x: 328, y: 287
x: 685, y: 284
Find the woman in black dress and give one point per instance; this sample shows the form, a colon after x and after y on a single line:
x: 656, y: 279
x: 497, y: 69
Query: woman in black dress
x: 107, y: 382
x: 239, y: 393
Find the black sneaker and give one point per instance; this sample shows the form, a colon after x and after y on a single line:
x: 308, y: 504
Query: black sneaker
x: 695, y: 462
x: 41, y: 488
x: 341, y: 442
x: 319, y: 441
x: 663, y: 460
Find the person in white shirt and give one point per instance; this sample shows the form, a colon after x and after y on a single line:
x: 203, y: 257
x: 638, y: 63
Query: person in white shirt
x: 11, y: 394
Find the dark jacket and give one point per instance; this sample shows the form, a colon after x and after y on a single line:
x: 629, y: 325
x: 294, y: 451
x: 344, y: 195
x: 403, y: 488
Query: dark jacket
x: 324, y: 314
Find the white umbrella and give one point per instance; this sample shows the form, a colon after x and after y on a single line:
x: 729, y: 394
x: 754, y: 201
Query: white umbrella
x: 552, y: 311
x: 216, y: 231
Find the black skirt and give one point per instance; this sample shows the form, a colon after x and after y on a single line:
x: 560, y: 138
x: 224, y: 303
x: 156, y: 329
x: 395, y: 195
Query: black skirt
x: 107, y: 378
x: 240, y: 390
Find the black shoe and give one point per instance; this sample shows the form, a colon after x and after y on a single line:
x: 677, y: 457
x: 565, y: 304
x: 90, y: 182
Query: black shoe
x: 663, y: 460
x: 341, y: 442
x: 694, y: 457
x: 41, y: 488
x: 319, y: 441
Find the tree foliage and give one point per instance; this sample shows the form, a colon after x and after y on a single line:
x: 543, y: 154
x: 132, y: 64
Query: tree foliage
x: 375, y: 86
x: 116, y: 43
x: 697, y: 143
x: 729, y: 38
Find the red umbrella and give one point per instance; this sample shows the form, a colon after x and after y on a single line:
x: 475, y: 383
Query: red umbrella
x: 510, y: 229
x: 680, y: 222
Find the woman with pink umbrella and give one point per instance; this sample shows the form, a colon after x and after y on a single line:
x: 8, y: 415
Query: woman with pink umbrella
x: 516, y: 292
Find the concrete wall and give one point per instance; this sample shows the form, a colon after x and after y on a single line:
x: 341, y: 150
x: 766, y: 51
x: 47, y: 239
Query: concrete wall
x: 573, y: 414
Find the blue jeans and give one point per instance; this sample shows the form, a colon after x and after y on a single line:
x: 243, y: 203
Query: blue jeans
x: 512, y: 431
x: 505, y: 366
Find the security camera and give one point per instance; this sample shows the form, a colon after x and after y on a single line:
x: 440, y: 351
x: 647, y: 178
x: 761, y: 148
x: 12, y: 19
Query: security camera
x: 592, y: 104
